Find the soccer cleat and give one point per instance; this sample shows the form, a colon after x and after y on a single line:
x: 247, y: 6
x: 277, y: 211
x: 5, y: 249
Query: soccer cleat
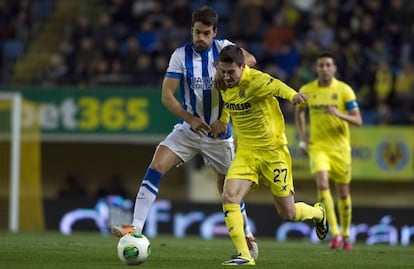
x: 346, y: 244
x: 336, y: 242
x: 253, y: 247
x: 321, y: 226
x: 123, y: 229
x: 239, y: 260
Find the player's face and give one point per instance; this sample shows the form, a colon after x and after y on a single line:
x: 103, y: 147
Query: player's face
x: 202, y: 36
x: 326, y: 68
x: 231, y: 73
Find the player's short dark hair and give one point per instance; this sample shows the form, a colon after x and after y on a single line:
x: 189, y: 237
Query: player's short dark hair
x: 326, y: 54
x: 231, y: 54
x: 206, y: 15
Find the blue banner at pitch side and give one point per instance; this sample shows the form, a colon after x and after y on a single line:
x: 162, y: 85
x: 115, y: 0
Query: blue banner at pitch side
x: 369, y: 225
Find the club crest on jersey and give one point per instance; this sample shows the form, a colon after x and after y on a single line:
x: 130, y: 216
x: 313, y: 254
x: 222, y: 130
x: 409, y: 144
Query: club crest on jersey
x: 334, y: 96
x: 242, y: 93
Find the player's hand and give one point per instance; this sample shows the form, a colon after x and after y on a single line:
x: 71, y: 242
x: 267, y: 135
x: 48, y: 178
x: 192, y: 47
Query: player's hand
x: 303, y: 146
x: 219, y: 82
x: 200, y: 127
x: 299, y: 98
x: 332, y: 110
x: 219, y: 129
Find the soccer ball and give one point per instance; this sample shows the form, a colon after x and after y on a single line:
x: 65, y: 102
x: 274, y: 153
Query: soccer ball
x: 134, y: 248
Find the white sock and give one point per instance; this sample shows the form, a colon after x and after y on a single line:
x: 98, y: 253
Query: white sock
x: 143, y: 203
x: 247, y: 230
x: 146, y: 196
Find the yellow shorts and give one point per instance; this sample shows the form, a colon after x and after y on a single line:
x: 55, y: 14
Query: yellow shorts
x: 274, y: 167
x: 336, y: 162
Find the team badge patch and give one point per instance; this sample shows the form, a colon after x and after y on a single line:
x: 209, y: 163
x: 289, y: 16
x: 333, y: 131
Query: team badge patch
x: 242, y: 93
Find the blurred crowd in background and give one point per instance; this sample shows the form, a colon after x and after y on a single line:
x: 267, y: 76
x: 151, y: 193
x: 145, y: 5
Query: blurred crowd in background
x: 129, y: 42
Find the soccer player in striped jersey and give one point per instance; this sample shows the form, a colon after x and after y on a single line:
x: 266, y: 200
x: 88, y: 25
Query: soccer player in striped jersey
x: 249, y: 98
x: 332, y: 106
x: 191, y: 70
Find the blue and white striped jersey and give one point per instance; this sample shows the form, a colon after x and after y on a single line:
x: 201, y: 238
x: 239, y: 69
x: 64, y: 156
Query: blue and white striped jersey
x: 196, y: 70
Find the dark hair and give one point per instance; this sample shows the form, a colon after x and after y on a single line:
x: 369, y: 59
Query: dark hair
x: 326, y: 54
x: 205, y: 15
x: 232, y: 54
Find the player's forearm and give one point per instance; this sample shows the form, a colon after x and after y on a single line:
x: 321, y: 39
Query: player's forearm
x: 286, y: 92
x: 171, y: 103
x: 352, y: 119
x: 249, y: 59
x: 300, y: 124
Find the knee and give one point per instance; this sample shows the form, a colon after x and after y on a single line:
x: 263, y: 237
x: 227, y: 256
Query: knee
x: 323, y: 185
x: 230, y: 197
x: 343, y: 196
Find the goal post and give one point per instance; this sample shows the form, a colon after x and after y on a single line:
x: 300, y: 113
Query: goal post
x: 15, y: 103
x: 21, y: 201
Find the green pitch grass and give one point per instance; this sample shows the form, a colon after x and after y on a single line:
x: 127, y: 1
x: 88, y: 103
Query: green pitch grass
x: 52, y: 250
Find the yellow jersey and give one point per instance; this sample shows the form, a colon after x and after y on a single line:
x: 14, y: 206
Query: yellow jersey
x: 254, y: 110
x: 326, y: 130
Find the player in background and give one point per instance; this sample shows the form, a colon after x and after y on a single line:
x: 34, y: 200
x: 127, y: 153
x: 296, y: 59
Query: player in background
x: 191, y: 69
x: 332, y: 106
x: 249, y: 98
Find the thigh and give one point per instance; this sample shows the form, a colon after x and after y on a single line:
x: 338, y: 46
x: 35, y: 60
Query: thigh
x: 244, y: 166
x: 183, y: 143
x: 276, y: 169
x: 218, y: 153
x: 341, y: 166
x: 235, y: 189
x: 318, y: 160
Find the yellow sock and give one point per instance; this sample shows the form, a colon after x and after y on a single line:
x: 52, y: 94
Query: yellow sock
x: 325, y: 198
x: 234, y: 222
x: 345, y: 214
x: 306, y: 212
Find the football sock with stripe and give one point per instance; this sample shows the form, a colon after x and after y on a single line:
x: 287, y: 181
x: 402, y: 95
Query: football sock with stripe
x: 234, y: 222
x: 345, y: 214
x: 325, y: 198
x: 146, y: 196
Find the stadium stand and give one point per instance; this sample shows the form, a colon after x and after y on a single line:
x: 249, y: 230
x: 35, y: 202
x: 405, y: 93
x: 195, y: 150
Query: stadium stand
x: 127, y: 42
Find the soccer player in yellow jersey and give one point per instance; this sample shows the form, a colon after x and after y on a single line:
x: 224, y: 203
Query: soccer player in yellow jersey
x: 250, y: 100
x: 331, y: 105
